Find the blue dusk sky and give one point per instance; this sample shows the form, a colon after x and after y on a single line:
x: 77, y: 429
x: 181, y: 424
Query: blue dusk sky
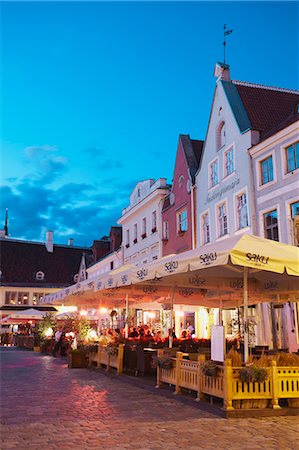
x: 95, y: 94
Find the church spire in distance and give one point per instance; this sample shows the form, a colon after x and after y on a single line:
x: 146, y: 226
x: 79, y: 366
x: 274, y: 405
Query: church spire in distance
x: 6, y: 224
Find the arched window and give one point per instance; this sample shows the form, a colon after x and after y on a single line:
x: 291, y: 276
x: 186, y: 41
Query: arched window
x: 220, y: 136
x: 39, y: 275
x: 76, y: 278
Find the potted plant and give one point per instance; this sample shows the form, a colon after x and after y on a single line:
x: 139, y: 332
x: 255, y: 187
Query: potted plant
x: 165, y: 362
x: 77, y: 359
x: 210, y: 369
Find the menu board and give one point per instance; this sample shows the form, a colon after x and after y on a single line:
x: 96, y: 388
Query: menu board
x: 217, y: 343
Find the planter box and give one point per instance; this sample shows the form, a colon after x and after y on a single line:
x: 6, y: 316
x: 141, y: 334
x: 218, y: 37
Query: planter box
x: 77, y: 360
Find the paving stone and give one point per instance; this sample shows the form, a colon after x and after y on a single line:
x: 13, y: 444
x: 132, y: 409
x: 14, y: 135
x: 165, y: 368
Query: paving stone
x: 45, y: 405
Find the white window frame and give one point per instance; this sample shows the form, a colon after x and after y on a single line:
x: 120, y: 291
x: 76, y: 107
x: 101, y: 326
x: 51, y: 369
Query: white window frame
x: 154, y: 220
x: 261, y: 219
x: 217, y: 206
x: 244, y: 190
x: 215, y: 160
x: 165, y: 230
x: 135, y: 233
x: 128, y: 237
x: 143, y: 226
x: 258, y: 170
x: 202, y: 231
x: 181, y: 222
x: 225, y: 174
x: 286, y: 156
x: 289, y: 220
x: 283, y: 154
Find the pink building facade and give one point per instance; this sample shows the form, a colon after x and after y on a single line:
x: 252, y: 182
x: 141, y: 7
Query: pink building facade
x: 178, y: 221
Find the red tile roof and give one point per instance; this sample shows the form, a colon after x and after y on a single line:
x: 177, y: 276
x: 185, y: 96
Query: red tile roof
x: 267, y: 107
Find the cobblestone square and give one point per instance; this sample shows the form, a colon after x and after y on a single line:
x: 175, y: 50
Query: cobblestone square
x: 45, y: 405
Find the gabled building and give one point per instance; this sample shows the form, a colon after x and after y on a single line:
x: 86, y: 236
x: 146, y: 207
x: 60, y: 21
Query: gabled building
x: 29, y: 270
x: 250, y: 121
x: 141, y: 222
x: 178, y: 212
x: 242, y: 115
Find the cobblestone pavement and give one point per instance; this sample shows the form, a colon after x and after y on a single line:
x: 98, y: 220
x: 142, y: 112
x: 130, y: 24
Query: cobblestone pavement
x: 45, y: 405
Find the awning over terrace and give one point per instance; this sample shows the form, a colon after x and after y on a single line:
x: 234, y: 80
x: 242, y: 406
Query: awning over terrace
x: 205, y: 277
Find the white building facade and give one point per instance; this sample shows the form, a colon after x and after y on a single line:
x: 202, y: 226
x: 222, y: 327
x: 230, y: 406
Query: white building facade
x: 141, y: 222
x: 224, y: 206
x: 275, y: 168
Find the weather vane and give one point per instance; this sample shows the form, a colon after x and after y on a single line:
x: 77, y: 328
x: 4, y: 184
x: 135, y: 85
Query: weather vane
x: 225, y: 33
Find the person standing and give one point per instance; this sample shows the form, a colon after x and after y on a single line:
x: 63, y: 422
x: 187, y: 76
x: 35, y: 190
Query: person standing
x: 57, y: 340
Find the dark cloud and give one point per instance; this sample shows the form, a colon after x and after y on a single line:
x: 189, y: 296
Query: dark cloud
x: 75, y: 210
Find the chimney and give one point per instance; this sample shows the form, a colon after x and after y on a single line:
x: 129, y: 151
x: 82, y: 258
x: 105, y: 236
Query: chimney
x: 70, y: 242
x: 49, y: 241
x: 221, y: 71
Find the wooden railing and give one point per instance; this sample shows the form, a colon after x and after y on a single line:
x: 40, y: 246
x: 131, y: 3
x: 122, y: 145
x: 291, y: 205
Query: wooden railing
x: 102, y: 357
x: 281, y: 383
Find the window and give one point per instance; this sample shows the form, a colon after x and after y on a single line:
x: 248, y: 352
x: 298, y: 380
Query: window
x: 294, y: 209
x: 36, y: 297
x: 76, y: 278
x: 295, y: 220
x: 220, y: 136
x: 242, y: 214
x: 154, y: 221
x: 206, y: 228
x: 111, y: 265
x: 293, y: 157
x: 16, y: 298
x: 135, y: 233
x: 271, y: 225
x: 143, y: 228
x: 181, y: 180
x: 39, y: 275
x: 267, y: 170
x: 182, y: 221
x: 214, y: 173
x: 127, y: 238
x: 229, y: 162
x: 165, y: 230
x: 222, y: 220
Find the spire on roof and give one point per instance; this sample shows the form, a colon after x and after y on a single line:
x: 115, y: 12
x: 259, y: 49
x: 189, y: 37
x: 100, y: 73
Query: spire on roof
x: 6, y: 224
x: 225, y: 33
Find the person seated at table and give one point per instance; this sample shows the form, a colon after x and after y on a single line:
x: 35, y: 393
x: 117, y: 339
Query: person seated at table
x: 183, y: 334
x: 134, y: 333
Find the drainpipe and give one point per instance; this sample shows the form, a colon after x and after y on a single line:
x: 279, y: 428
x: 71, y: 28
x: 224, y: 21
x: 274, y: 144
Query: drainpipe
x: 253, y: 204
